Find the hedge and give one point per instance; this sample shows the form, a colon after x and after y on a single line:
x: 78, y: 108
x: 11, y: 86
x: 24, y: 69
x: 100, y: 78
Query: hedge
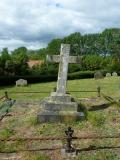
x: 81, y: 75
x: 10, y: 80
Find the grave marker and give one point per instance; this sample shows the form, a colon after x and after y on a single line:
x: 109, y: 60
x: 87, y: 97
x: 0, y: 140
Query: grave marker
x: 114, y: 74
x: 60, y: 106
x: 108, y: 74
x: 21, y: 82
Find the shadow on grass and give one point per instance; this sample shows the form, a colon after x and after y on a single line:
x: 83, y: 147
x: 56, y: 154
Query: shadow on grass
x: 82, y: 108
x: 7, y: 87
x: 93, y: 148
x: 99, y: 107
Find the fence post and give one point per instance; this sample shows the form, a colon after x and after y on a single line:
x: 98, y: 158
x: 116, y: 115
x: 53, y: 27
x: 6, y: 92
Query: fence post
x: 69, y: 133
x: 99, y: 91
x: 6, y: 96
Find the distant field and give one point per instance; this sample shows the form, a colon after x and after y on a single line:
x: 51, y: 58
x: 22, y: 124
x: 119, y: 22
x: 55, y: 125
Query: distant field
x: 109, y: 86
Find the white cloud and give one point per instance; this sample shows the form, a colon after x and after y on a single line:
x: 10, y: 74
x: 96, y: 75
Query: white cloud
x: 33, y: 23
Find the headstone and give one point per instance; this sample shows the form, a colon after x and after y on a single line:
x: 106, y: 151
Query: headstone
x: 21, y: 82
x: 60, y: 106
x: 108, y: 74
x: 114, y: 74
x: 98, y: 75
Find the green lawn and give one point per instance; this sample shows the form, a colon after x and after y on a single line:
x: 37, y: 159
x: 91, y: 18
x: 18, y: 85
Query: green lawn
x: 109, y: 86
x: 103, y: 121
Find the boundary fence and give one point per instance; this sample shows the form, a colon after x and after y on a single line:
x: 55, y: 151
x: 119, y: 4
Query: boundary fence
x: 98, y: 91
x: 68, y: 147
x: 68, y: 138
x: 6, y: 96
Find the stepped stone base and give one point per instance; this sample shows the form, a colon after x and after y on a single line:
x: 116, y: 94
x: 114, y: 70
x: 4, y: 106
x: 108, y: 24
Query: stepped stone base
x: 58, y: 108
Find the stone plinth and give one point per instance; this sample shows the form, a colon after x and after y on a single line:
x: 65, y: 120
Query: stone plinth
x: 59, y: 109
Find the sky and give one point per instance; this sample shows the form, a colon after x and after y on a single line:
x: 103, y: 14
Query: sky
x: 34, y: 23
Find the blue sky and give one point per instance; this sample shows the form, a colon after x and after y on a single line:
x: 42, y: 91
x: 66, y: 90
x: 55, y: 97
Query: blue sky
x: 33, y: 23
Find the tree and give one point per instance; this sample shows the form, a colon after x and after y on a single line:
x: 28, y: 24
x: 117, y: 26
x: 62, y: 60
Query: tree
x: 19, y: 60
x: 37, y: 54
x: 4, y: 57
x: 92, y: 62
x: 54, y: 46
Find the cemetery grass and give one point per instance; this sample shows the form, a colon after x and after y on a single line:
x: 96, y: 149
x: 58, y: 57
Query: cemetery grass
x: 109, y: 86
x: 102, y: 117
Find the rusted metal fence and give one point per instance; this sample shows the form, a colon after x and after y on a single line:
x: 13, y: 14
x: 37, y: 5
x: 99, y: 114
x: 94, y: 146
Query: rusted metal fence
x: 98, y: 91
x: 6, y: 96
x: 68, y: 138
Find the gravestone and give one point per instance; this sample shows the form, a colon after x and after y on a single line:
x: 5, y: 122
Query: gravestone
x: 60, y: 106
x: 98, y: 75
x: 114, y: 74
x: 108, y: 74
x: 21, y: 82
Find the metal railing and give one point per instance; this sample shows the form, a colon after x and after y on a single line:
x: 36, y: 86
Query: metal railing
x: 98, y: 91
x: 68, y: 138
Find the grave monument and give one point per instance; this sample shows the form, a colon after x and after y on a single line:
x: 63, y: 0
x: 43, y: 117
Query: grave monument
x: 60, y: 107
x: 114, y: 74
x: 21, y: 82
x: 108, y: 74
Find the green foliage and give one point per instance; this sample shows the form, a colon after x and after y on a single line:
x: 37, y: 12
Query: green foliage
x: 100, y: 51
x: 6, y: 133
x: 32, y: 121
x: 8, y: 80
x: 54, y: 46
x: 74, y: 68
x: 42, y: 157
x: 43, y: 77
x: 96, y: 119
x: 37, y: 54
x: 37, y: 156
x: 14, y: 63
x: 19, y: 59
x: 98, y: 155
x: 45, y: 69
x: 4, y: 58
x: 81, y: 75
x: 92, y: 62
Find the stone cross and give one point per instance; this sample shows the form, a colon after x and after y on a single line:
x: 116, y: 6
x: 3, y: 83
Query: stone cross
x: 63, y: 59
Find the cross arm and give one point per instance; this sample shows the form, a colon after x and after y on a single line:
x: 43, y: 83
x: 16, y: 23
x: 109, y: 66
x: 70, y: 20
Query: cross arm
x: 56, y: 59
x: 53, y: 58
x: 75, y: 59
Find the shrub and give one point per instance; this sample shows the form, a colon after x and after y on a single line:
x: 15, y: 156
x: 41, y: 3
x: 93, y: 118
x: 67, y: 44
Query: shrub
x: 81, y: 75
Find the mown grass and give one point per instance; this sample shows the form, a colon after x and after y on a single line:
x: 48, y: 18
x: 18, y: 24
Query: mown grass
x: 109, y: 86
x: 99, y: 120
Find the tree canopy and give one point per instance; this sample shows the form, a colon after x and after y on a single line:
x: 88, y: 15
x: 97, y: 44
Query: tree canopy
x: 100, y: 51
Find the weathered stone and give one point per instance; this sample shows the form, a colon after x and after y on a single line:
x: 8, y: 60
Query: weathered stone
x: 108, y: 74
x: 65, y: 116
x: 47, y: 116
x: 62, y: 98
x: 98, y: 75
x: 56, y: 58
x: 60, y: 107
x: 21, y: 82
x: 114, y: 74
x: 64, y: 59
